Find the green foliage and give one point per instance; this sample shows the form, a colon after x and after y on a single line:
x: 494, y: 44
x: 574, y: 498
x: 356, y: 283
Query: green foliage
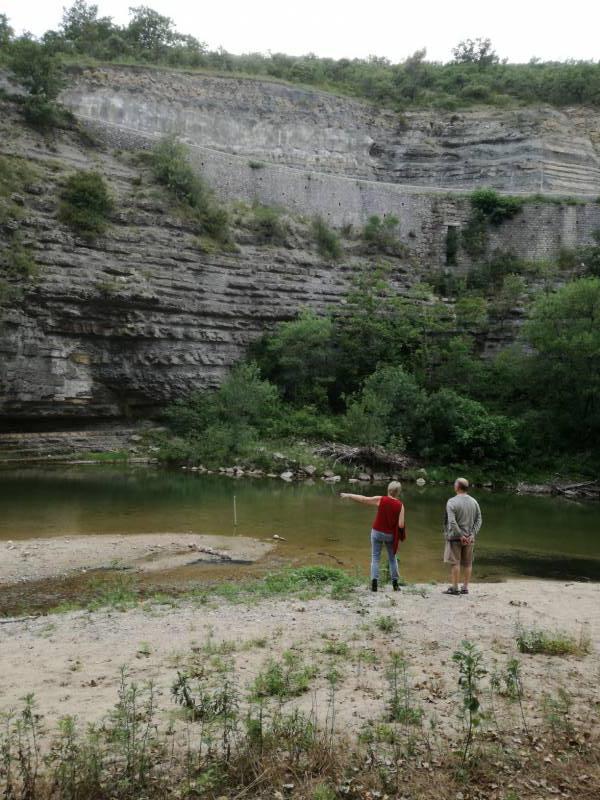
x: 382, y: 235
x: 214, y: 426
x: 39, y: 71
x: 487, y: 208
x: 19, y: 263
x: 268, y: 225
x: 475, y: 51
x: 471, y: 670
x: 36, y: 67
x: 299, y: 357
x: 552, y: 643
x: 400, y: 705
x: 328, y: 243
x: 171, y: 168
x: 86, y: 204
x: 289, y: 677
x: 474, y: 76
x: 589, y: 256
x: 386, y: 411
x: 563, y: 372
x: 385, y: 624
x: 495, y: 208
x: 459, y: 430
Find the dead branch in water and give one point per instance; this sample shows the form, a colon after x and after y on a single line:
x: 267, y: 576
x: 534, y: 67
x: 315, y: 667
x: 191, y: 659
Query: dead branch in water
x: 367, y: 456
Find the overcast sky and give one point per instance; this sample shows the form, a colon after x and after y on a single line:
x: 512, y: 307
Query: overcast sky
x: 519, y: 29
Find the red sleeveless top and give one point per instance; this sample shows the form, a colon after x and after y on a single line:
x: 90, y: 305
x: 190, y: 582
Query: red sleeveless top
x: 387, y: 518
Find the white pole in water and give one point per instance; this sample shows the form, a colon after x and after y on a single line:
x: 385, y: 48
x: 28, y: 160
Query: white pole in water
x: 234, y: 512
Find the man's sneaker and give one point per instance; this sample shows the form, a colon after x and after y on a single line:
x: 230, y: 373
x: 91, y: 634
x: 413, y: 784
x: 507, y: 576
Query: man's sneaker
x: 464, y: 590
x: 374, y: 585
x: 452, y: 590
x: 395, y: 586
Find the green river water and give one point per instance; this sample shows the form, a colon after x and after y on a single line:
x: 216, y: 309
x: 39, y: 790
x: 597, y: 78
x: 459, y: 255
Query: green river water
x: 522, y: 536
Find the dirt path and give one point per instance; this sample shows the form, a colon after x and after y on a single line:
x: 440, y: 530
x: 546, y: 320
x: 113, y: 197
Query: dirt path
x: 71, y: 661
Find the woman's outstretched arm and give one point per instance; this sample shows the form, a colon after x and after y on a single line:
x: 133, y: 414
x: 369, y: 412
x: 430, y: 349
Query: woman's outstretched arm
x: 361, y: 498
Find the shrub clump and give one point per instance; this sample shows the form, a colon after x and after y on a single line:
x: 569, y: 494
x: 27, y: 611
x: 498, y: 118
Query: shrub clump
x: 494, y: 207
x: 382, y: 235
x: 86, y: 204
x: 268, y: 226
x: 171, y: 169
x: 328, y: 243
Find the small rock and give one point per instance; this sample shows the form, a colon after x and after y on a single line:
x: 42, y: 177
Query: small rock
x: 421, y: 481
x: 328, y: 473
x: 364, y: 476
x: 287, y: 475
x: 309, y: 470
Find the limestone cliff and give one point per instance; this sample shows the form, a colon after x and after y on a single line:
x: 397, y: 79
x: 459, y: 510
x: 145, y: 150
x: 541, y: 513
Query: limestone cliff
x: 523, y: 149
x: 147, y: 312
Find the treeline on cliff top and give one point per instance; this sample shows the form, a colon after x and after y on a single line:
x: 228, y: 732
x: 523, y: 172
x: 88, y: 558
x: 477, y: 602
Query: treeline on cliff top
x: 476, y: 75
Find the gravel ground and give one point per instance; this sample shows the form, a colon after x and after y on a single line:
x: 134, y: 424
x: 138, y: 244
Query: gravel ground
x: 72, y: 661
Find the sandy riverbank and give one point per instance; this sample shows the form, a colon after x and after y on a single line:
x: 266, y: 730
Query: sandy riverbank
x: 71, y: 661
x: 41, y: 559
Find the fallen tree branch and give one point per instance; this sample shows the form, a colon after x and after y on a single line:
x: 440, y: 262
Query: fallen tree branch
x: 367, y: 456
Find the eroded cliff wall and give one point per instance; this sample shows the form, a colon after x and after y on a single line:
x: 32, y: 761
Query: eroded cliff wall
x: 526, y: 149
x: 147, y: 313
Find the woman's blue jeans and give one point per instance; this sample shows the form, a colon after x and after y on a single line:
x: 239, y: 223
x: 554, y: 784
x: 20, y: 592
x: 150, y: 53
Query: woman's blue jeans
x: 378, y: 539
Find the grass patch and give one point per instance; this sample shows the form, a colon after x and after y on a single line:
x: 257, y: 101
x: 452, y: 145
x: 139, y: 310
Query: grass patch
x: 385, y: 624
x: 304, y: 582
x: 552, y: 643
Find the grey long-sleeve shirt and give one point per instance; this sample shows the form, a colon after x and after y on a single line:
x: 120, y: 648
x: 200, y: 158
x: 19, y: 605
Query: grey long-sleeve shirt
x: 463, y: 517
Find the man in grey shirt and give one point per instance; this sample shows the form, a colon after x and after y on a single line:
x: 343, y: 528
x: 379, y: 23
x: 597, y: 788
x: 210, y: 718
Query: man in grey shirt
x: 461, y: 525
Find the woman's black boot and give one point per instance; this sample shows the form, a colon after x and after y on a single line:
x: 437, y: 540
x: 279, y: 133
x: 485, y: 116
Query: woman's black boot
x: 395, y: 586
x: 374, y: 585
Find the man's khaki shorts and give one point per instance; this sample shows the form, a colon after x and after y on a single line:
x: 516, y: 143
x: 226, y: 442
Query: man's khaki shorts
x: 456, y: 553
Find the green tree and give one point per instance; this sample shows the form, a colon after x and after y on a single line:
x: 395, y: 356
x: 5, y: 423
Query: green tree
x: 6, y: 32
x: 37, y: 69
x: 299, y: 357
x: 85, y: 32
x: 386, y: 411
x: 475, y: 51
x: 150, y: 33
x: 564, y: 378
x: 457, y: 430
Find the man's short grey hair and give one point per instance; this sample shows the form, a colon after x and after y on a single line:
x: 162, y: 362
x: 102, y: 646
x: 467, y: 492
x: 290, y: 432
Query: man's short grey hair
x: 462, y: 483
x: 394, y: 488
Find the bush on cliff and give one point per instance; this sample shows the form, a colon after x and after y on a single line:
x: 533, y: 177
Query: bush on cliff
x: 39, y: 71
x: 382, y: 235
x: 171, y: 168
x: 328, y: 243
x: 86, y: 204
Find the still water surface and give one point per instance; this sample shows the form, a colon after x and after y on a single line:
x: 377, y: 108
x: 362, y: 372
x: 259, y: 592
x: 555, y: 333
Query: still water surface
x: 521, y: 537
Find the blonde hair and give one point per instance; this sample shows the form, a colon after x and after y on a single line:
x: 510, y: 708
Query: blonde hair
x: 394, y: 488
x: 463, y: 483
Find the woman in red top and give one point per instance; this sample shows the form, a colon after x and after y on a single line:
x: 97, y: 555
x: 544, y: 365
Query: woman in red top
x: 388, y: 529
